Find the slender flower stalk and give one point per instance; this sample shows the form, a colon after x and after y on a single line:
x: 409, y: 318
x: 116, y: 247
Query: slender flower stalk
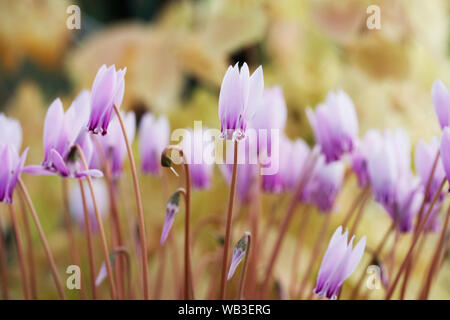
x: 434, y: 264
x: 89, y: 240
x: 3, y: 265
x: 69, y: 229
x: 43, y: 239
x: 375, y: 254
x: 20, y: 255
x: 305, y: 173
x: 301, y: 230
x: 421, y: 166
x: 30, y: 255
x: 140, y: 210
x: 360, y: 212
x: 223, y: 284
x: 314, y: 255
x: 413, y: 244
x: 100, y: 224
x: 166, y: 161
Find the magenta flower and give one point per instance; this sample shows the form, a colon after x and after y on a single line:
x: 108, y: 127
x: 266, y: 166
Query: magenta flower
x: 10, y: 170
x: 424, y: 157
x: 408, y: 198
x: 324, y: 184
x: 62, y: 131
x: 238, y: 254
x: 153, y: 138
x: 388, y: 162
x: 195, y: 146
x: 76, y: 203
x: 10, y: 132
x: 173, y: 205
x: 360, y: 155
x: 441, y: 101
x: 271, y: 114
x: 240, y: 95
x: 338, y: 263
x: 107, y: 91
x: 113, y: 144
x: 335, y: 125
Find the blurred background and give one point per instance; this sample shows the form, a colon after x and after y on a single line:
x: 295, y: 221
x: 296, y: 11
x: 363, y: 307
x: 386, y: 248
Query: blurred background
x: 176, y: 53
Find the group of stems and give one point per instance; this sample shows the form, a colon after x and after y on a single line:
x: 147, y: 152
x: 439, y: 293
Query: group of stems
x: 188, y: 288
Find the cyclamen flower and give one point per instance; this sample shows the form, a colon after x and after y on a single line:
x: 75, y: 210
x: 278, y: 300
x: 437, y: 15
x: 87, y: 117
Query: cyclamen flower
x: 194, y: 144
x: 297, y: 159
x: 271, y: 115
x: 62, y: 131
x: 424, y: 158
x: 107, y: 91
x: 113, y: 144
x: 387, y: 162
x: 103, y: 273
x: 172, y: 208
x: 238, y: 254
x: 240, y: 95
x: 359, y: 157
x: 407, y: 200
x: 324, y: 184
x: 441, y: 101
x: 338, y: 263
x: 153, y: 138
x: 76, y: 202
x: 279, y: 161
x: 335, y: 125
x: 10, y: 170
x: 10, y: 132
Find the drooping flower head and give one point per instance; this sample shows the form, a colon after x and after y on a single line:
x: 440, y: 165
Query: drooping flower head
x: 10, y: 132
x: 62, y: 131
x: 270, y: 115
x: 238, y: 254
x: 360, y: 155
x: 173, y: 205
x: 441, y: 101
x: 324, y: 184
x: 194, y: 146
x: 76, y: 202
x: 113, y: 144
x: 10, y: 169
x: 240, y: 95
x: 393, y: 184
x: 338, y: 263
x: 107, y: 91
x: 153, y: 138
x: 335, y: 125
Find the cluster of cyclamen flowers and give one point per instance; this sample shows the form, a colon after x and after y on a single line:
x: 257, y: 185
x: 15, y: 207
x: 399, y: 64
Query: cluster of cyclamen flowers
x: 78, y: 141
